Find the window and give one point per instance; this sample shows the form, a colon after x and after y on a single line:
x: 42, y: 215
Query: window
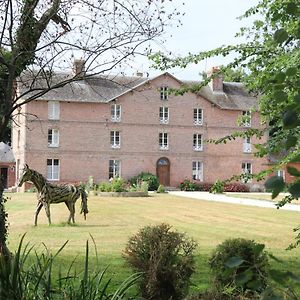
x: 280, y: 173
x: 53, y: 110
x: 52, y: 169
x: 246, y: 119
x: 197, y: 142
x: 247, y: 145
x: 164, y: 115
x: 53, y: 138
x: 114, y: 168
x: 197, y: 170
x: 115, y: 139
x: 164, y: 93
x: 198, y: 116
x: 163, y: 141
x: 116, y: 112
x: 246, y: 169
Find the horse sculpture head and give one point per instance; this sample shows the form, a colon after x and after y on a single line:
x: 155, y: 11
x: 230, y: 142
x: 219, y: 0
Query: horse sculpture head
x: 26, y: 175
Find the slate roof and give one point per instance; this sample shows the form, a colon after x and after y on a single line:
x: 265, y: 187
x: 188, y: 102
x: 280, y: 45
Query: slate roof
x: 107, y: 88
x: 233, y: 97
x: 91, y: 89
x: 6, y: 154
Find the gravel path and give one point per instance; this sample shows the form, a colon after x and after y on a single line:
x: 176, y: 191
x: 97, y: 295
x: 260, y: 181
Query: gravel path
x: 227, y: 199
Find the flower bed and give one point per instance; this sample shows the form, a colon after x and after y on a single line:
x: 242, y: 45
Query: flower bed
x: 122, y: 194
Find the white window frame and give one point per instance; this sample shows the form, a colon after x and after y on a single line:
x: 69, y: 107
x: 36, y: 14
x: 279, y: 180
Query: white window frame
x: 247, y: 169
x: 164, y: 93
x: 53, y: 138
x: 247, y: 148
x: 53, y: 169
x: 115, y: 139
x: 115, y: 113
x: 197, y: 170
x: 197, y: 142
x: 246, y: 115
x: 198, y: 116
x: 53, y: 110
x: 114, y: 168
x: 164, y: 115
x: 163, y: 141
x: 281, y: 173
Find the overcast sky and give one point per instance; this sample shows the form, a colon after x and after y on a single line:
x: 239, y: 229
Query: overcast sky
x: 206, y: 25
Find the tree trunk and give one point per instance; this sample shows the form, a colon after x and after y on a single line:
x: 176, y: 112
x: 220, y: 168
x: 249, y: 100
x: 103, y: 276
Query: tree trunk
x: 4, y: 252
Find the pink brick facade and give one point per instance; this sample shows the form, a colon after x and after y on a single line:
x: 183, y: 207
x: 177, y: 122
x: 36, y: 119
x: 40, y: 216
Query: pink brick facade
x: 84, y: 128
x: 7, y: 166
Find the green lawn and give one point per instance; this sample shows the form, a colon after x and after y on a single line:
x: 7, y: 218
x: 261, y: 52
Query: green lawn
x: 112, y: 220
x: 260, y: 196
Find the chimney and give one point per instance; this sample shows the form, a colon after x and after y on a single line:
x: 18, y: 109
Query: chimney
x: 79, y: 67
x: 216, y: 82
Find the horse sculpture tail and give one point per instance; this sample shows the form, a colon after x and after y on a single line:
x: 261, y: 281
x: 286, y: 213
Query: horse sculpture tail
x: 84, y: 198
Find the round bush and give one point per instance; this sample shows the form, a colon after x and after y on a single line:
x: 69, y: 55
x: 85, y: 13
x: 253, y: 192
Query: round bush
x: 166, y: 260
x: 240, y: 264
x: 151, y: 179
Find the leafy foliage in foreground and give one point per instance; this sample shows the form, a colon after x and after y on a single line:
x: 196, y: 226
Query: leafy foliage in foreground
x: 240, y: 265
x: 166, y: 260
x: 21, y: 280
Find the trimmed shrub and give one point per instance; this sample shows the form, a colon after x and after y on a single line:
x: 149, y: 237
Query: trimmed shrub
x: 151, y: 179
x: 240, y: 265
x: 236, y: 187
x: 118, y: 185
x: 191, y: 185
x: 166, y: 260
x: 187, y: 185
x: 161, y: 189
x: 104, y: 187
x: 218, y: 187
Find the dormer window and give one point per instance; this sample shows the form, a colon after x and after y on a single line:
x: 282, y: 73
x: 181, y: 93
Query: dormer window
x: 116, y: 113
x: 164, y: 93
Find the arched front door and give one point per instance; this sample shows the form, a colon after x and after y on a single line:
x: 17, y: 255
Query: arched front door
x: 163, y: 171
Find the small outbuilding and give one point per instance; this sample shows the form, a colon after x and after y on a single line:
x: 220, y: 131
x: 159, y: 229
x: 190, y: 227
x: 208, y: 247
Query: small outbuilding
x: 7, y: 166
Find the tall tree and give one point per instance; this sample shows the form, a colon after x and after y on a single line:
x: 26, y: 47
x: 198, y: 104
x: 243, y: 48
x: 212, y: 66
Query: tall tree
x: 40, y: 37
x: 271, y: 53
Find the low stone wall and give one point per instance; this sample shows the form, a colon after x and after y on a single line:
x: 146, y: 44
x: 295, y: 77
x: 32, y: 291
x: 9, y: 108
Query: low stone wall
x: 123, y: 194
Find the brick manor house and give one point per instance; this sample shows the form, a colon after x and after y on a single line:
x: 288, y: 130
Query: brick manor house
x: 120, y: 126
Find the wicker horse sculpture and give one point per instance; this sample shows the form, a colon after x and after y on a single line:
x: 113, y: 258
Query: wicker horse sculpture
x: 48, y: 193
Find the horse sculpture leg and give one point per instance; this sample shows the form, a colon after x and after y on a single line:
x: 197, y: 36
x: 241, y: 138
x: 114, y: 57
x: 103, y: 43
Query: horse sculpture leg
x: 37, y: 211
x: 47, y: 210
x: 71, y: 207
x: 68, y: 204
x: 73, y: 211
